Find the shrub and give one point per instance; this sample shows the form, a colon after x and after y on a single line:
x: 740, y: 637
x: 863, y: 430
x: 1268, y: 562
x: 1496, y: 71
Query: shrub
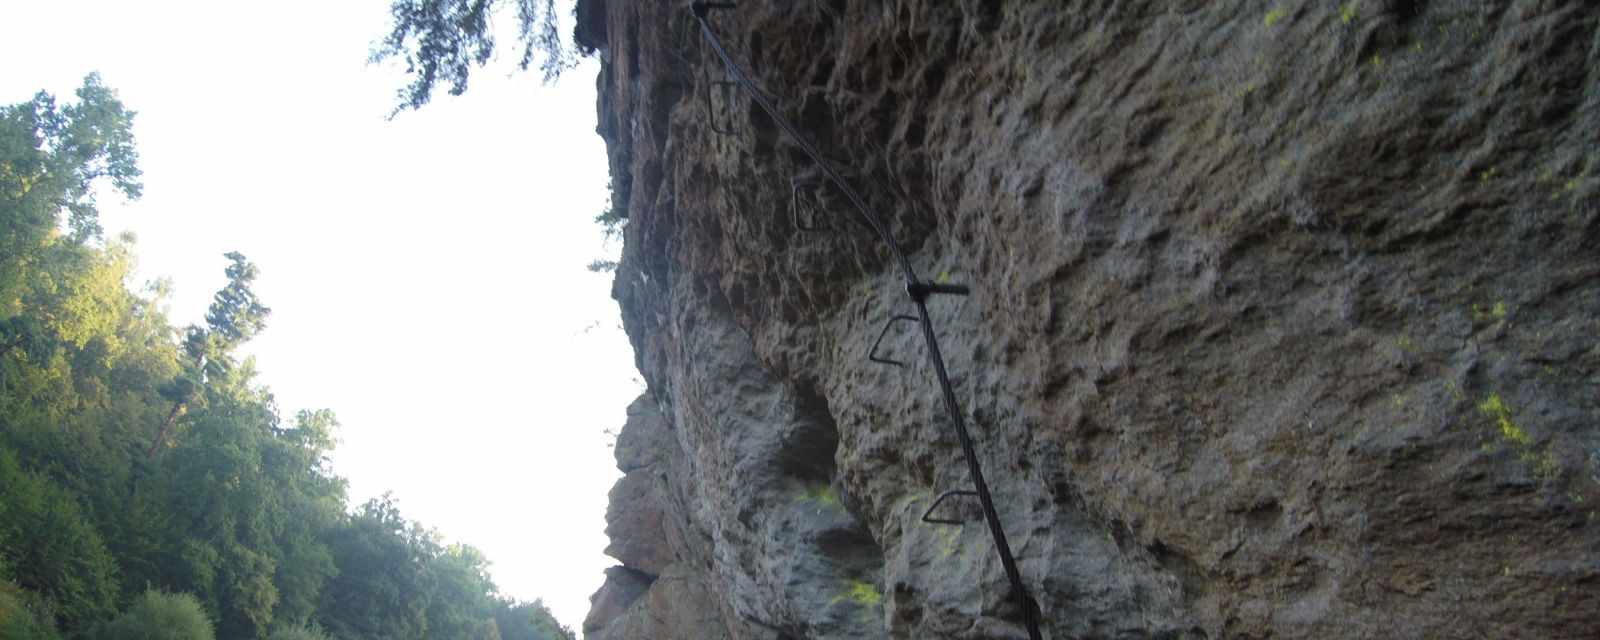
x: 159, y: 616
x: 50, y: 548
x: 24, y: 616
x: 298, y: 633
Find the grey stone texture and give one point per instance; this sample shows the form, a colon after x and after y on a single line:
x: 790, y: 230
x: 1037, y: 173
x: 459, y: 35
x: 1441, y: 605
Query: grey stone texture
x: 1284, y: 319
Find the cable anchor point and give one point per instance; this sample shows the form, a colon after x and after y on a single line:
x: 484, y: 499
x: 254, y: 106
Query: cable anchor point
x: 701, y: 9
x: 919, y: 291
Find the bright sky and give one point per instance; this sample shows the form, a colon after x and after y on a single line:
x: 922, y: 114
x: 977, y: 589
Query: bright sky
x: 426, y: 275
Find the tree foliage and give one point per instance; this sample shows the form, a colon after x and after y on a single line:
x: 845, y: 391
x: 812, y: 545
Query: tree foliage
x: 24, y: 615
x: 529, y: 621
x: 51, y: 548
x: 159, y: 616
x: 236, y: 315
x: 135, y: 456
x: 441, y: 41
x: 298, y: 633
x: 52, y: 156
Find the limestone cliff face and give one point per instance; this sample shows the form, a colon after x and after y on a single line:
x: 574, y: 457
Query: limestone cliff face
x: 1284, y: 319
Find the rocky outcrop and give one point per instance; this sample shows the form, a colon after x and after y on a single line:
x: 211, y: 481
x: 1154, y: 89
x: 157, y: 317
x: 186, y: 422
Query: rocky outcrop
x: 662, y: 589
x: 1284, y: 319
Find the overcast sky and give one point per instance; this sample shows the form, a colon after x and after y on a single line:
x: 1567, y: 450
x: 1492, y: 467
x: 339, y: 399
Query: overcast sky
x: 426, y: 274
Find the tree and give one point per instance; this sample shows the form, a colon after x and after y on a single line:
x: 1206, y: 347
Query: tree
x: 236, y: 315
x: 23, y: 615
x: 382, y: 588
x: 529, y: 621
x: 462, y: 603
x: 159, y: 616
x: 51, y: 157
x: 243, y: 514
x: 298, y: 633
x: 251, y: 505
x: 442, y: 40
x: 49, y: 547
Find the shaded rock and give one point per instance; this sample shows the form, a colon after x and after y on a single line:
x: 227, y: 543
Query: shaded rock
x: 634, y: 524
x: 645, y: 439
x: 678, y: 606
x: 1283, y: 318
x: 622, y: 588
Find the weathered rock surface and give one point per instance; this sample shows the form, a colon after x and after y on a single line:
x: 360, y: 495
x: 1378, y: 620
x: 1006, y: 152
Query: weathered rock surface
x: 1285, y: 319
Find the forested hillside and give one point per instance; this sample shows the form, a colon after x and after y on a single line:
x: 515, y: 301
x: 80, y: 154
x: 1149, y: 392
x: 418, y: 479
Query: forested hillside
x: 147, y: 479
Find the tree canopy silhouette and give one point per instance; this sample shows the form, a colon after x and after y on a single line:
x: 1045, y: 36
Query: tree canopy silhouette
x: 441, y: 41
x: 145, y: 469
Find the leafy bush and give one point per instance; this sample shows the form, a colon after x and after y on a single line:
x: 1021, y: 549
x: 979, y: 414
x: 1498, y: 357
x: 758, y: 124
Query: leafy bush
x: 24, y: 616
x: 529, y: 621
x: 50, y: 548
x: 298, y: 633
x: 159, y: 616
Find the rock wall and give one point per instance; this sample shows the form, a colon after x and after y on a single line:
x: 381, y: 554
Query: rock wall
x: 1284, y: 318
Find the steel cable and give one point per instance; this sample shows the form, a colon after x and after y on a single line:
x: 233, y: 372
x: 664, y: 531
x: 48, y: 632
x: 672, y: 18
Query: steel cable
x: 918, y: 291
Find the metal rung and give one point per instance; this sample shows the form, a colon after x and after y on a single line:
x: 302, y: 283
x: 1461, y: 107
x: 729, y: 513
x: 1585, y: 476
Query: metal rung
x: 796, y: 204
x: 919, y: 292
x: 873, y: 354
x: 729, y: 89
x: 927, y: 516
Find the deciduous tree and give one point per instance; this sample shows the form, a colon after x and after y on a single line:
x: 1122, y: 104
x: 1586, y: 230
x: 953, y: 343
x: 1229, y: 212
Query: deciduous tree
x: 441, y: 41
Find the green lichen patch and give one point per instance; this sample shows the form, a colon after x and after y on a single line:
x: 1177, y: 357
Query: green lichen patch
x: 1490, y: 313
x: 860, y: 592
x: 1539, y: 460
x: 823, y: 495
x: 1495, y: 408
